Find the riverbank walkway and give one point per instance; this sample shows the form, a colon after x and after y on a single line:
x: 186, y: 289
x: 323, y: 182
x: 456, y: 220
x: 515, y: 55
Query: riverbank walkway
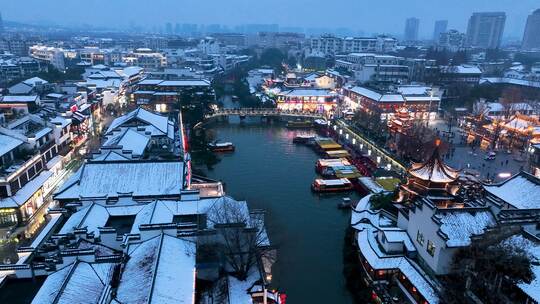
x: 357, y: 141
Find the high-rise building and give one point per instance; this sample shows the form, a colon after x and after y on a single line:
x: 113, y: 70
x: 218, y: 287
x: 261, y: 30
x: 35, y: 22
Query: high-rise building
x: 451, y: 40
x: 485, y: 30
x: 440, y: 27
x: 411, y: 29
x: 168, y: 28
x: 1, y: 24
x: 531, y: 37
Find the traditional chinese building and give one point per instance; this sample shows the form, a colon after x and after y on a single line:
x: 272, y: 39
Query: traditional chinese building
x: 432, y: 178
x: 401, y: 122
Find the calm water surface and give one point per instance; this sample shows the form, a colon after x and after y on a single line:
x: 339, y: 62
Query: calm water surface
x: 272, y: 173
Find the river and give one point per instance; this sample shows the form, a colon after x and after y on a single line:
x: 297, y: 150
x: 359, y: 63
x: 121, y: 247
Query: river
x: 273, y: 174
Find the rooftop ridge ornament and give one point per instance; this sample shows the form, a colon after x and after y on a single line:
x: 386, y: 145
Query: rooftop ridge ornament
x: 434, y: 169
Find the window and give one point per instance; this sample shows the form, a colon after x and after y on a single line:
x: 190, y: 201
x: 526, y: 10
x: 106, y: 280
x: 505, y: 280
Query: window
x: 4, y: 192
x: 420, y: 238
x: 8, y: 217
x: 431, y: 248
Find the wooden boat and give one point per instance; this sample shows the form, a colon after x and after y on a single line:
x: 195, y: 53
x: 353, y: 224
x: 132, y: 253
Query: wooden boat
x: 337, y: 153
x: 331, y: 185
x: 299, y: 124
x: 326, y: 144
x: 221, y: 147
x: 349, y: 172
x: 303, y: 139
x: 345, y: 203
x: 330, y: 162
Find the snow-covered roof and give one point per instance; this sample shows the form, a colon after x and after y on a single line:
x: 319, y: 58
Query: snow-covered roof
x: 8, y: 143
x: 379, y: 260
x: 104, y: 75
x: 129, y: 140
x: 111, y: 155
x: 392, y: 98
x: 185, y: 83
x: 101, y: 83
x: 113, y: 179
x: 97, y: 214
x: 506, y: 80
x: 522, y: 191
x: 55, y: 95
x: 413, y: 89
x: 401, y: 96
x: 498, y: 107
x: 61, y: 121
x: 160, y: 270
x: 462, y: 69
x: 24, y: 194
x: 366, y: 92
x: 130, y: 71
x: 79, y: 282
x: 20, y: 88
x: 368, y: 223
x: 457, y: 226
x: 308, y: 92
x: 399, y: 236
x: 150, y: 81
x: 158, y: 121
x: 42, y: 132
x: 35, y: 80
x: 434, y: 170
x: 99, y: 67
x: 20, y: 98
x: 362, y: 214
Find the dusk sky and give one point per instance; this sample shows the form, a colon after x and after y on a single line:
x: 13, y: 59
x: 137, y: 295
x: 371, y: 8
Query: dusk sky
x: 370, y: 16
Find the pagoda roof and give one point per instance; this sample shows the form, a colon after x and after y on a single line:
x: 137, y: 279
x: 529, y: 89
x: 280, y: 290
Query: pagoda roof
x: 434, y: 169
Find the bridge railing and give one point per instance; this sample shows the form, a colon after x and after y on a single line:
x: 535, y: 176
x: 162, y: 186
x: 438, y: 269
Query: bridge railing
x: 261, y: 111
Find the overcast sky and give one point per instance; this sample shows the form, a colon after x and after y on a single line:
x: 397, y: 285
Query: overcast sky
x: 370, y: 16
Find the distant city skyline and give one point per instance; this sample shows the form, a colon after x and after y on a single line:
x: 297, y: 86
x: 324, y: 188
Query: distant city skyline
x: 360, y: 16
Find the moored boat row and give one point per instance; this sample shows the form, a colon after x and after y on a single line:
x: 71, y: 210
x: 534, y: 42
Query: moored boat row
x: 339, y: 168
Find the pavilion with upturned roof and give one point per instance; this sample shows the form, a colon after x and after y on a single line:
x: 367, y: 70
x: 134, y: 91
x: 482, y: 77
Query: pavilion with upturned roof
x: 401, y: 122
x: 432, y: 178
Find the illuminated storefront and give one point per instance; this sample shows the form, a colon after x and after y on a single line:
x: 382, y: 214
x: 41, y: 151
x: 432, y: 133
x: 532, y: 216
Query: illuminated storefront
x: 307, y: 100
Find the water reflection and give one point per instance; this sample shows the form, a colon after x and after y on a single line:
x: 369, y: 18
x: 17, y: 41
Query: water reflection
x: 272, y: 173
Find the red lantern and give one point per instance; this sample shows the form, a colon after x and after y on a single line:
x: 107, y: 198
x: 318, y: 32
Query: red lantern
x: 282, y: 298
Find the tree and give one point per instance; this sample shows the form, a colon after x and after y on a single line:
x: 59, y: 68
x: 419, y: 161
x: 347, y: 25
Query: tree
x: 460, y: 57
x: 200, y: 153
x: 481, y: 268
x: 272, y: 57
x: 440, y: 56
x: 495, y: 55
x: 54, y: 75
x: 415, y: 145
x: 241, y: 237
